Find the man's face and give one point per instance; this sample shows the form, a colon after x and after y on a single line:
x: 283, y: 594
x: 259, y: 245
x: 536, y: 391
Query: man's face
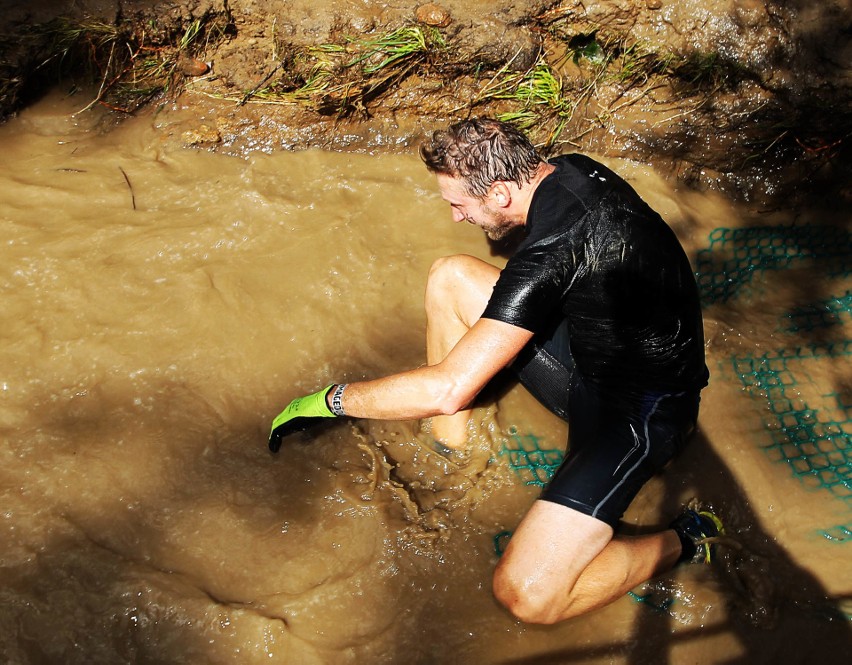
x: 477, y: 211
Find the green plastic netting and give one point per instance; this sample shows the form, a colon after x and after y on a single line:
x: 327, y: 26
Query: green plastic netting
x: 735, y: 256
x: 808, y: 423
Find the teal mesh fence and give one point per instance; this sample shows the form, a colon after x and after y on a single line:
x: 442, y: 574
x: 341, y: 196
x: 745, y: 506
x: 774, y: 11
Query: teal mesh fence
x: 735, y: 256
x: 812, y: 438
x: 839, y: 534
x: 650, y: 600
x: 814, y: 442
x: 533, y: 463
x: 819, y: 315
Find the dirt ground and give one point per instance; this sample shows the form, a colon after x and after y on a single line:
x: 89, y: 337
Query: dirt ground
x: 764, y: 84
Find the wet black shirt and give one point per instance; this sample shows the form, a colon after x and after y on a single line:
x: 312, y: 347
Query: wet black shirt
x: 599, y: 256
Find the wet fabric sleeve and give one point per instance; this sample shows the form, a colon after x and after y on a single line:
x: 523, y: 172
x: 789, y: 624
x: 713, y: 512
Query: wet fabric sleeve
x: 532, y: 287
x: 529, y: 291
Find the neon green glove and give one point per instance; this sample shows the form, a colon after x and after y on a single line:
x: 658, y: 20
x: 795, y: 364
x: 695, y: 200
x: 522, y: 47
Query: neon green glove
x: 300, y: 414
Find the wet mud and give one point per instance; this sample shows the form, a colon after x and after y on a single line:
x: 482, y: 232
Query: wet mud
x: 162, y: 303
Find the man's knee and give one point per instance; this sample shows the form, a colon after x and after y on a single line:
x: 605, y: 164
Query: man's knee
x: 526, y: 600
x: 439, y: 285
x: 449, y: 270
x: 460, y: 282
x: 538, y: 576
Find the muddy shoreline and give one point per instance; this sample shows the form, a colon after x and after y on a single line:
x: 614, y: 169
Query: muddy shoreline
x: 748, y: 97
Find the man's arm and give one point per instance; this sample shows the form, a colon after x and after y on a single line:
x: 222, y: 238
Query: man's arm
x: 444, y: 388
x: 440, y: 389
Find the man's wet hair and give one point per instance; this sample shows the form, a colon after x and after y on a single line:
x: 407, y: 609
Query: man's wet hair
x: 481, y: 151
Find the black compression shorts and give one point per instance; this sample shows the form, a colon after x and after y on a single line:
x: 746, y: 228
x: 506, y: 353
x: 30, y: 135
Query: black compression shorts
x: 612, y: 450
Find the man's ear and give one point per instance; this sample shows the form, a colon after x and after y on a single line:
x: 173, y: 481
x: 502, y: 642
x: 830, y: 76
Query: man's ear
x: 501, y: 193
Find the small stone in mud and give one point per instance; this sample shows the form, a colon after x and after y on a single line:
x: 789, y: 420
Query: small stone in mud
x: 201, y: 135
x: 434, y: 15
x: 191, y: 66
x: 653, y: 4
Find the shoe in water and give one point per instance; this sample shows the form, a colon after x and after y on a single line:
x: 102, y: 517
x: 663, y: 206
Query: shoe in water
x: 698, y: 531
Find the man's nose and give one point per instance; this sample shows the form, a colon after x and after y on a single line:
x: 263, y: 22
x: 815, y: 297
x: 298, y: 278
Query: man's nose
x: 458, y: 216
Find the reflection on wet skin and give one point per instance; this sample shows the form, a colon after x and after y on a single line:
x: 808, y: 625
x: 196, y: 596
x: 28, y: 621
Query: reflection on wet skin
x: 145, y: 345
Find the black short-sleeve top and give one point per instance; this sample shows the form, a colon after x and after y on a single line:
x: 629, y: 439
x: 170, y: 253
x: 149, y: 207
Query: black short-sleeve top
x: 597, y: 255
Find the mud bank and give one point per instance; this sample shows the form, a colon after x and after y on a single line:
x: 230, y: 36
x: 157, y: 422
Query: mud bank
x: 742, y: 95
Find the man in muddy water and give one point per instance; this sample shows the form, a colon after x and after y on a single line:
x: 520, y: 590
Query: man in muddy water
x: 597, y: 314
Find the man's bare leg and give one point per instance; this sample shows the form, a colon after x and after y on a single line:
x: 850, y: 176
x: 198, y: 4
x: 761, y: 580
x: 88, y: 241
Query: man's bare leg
x: 457, y: 292
x: 561, y: 563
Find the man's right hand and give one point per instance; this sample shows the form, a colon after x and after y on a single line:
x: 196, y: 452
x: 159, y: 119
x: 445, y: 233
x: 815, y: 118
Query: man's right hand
x: 300, y: 414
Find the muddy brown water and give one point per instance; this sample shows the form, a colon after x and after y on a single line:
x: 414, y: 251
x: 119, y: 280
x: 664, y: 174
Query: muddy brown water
x: 160, y: 306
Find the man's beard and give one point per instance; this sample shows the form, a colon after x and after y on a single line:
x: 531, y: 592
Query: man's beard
x: 498, y: 232
x: 499, y: 225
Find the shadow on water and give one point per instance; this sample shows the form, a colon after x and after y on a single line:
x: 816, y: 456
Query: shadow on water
x: 156, y: 540
x: 778, y: 611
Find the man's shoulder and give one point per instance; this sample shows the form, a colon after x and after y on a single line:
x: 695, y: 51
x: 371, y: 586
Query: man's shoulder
x: 577, y: 165
x: 567, y: 194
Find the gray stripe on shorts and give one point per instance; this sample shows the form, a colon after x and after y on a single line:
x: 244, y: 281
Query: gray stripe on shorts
x: 641, y: 458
